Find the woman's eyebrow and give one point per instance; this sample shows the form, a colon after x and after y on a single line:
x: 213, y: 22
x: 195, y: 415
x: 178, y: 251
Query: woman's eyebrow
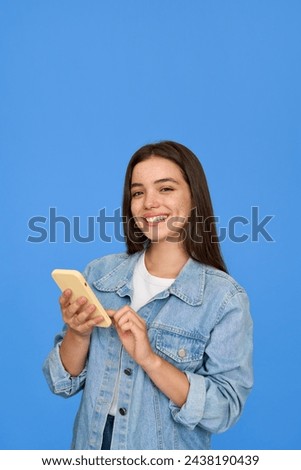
x: 166, y: 180
x: 133, y: 185
x: 161, y: 180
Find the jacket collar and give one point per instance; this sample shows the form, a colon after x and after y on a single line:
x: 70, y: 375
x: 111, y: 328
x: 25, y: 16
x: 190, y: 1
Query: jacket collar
x: 188, y: 286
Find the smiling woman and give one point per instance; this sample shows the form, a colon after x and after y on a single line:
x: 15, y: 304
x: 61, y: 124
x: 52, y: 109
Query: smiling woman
x: 176, y: 364
x: 171, y: 167
x: 162, y: 198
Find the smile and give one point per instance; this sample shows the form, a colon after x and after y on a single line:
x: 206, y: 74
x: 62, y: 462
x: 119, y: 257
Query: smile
x: 158, y: 218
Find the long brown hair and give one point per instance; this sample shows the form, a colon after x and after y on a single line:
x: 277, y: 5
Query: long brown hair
x: 201, y: 241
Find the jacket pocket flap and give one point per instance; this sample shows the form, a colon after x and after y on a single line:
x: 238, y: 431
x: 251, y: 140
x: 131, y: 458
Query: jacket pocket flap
x: 180, y: 347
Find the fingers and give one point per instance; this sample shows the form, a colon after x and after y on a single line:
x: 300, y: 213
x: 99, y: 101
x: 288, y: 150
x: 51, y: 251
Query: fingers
x: 111, y: 313
x: 127, y: 319
x: 84, y: 315
x: 78, y: 315
x: 64, y: 300
x: 132, y: 332
x: 71, y: 308
x: 118, y: 314
x: 85, y: 324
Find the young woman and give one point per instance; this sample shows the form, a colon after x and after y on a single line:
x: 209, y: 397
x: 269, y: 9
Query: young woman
x: 175, y: 366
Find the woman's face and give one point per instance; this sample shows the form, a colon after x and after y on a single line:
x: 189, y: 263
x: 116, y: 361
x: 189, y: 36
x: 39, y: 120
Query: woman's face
x: 160, y: 199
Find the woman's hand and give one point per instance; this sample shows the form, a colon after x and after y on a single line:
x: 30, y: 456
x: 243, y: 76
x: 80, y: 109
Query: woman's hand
x: 75, y: 345
x: 78, y: 314
x: 132, y: 331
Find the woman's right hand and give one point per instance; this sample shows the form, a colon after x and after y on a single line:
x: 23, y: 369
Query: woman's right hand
x: 78, y: 314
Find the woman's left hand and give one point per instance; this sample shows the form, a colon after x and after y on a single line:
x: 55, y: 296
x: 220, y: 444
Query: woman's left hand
x: 132, y: 331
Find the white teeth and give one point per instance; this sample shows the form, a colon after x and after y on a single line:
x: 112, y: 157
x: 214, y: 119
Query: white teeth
x: 156, y: 219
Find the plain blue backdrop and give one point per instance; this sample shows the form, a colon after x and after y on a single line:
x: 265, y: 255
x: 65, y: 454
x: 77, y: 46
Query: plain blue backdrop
x: 83, y: 84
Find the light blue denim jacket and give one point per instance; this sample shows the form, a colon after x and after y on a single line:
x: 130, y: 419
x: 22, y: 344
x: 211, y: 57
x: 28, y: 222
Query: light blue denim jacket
x: 201, y: 324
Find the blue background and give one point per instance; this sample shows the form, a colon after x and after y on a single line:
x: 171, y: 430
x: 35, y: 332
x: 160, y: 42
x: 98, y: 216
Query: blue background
x: 83, y: 84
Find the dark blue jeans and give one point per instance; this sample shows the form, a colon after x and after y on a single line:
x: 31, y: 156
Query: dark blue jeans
x: 107, y: 433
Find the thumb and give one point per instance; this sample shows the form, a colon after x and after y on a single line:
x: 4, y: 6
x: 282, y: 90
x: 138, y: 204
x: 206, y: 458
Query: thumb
x: 111, y: 313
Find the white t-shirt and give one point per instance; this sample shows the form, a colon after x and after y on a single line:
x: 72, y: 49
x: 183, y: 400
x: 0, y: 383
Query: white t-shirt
x: 145, y: 287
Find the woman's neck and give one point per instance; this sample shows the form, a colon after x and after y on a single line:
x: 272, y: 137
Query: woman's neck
x: 165, y: 259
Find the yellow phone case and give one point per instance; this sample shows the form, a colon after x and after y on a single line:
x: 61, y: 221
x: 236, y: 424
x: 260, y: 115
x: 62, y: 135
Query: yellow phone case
x: 74, y: 280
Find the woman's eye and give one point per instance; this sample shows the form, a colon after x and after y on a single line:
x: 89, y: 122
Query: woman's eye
x: 136, y: 194
x: 164, y: 190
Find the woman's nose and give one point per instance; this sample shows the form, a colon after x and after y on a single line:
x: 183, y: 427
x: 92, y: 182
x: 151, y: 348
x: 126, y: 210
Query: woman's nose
x: 151, y: 200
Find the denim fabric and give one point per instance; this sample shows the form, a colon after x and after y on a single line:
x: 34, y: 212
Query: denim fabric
x: 201, y: 324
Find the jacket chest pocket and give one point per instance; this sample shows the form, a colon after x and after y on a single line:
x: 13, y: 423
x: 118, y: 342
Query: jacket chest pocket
x: 182, y: 349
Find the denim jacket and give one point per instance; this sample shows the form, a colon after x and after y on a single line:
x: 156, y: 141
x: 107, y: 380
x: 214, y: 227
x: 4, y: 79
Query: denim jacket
x: 201, y: 324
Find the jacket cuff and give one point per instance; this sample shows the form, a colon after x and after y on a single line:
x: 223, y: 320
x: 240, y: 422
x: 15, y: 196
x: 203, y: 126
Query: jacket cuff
x: 59, y: 380
x: 191, y: 413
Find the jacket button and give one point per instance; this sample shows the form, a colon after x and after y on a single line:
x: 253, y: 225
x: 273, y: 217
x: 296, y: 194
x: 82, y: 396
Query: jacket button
x: 123, y: 411
x: 182, y: 353
x: 128, y: 371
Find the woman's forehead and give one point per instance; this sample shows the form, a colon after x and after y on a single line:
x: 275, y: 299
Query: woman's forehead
x: 155, y: 168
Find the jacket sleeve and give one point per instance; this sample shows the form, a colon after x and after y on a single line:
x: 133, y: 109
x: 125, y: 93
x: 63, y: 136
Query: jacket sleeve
x: 219, y: 389
x: 59, y: 380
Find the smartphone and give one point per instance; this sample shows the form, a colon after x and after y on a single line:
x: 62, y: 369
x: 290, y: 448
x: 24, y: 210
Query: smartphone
x: 74, y: 280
